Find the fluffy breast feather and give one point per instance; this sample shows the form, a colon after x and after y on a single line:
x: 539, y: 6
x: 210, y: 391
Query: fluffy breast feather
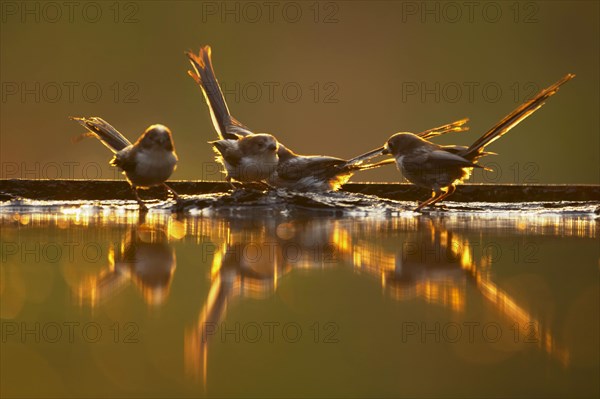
x: 146, y: 168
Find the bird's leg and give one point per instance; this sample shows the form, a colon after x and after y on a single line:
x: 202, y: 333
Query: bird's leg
x: 169, y: 189
x: 143, y: 207
x: 428, y: 201
x: 228, y: 178
x: 451, y: 189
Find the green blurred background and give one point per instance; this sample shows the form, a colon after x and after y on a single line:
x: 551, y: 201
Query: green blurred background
x: 352, y: 61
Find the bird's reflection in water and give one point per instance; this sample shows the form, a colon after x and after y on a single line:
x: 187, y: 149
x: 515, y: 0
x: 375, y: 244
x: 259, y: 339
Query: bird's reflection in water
x: 430, y: 266
x: 144, y: 257
x: 412, y: 258
x: 436, y: 264
x: 249, y: 264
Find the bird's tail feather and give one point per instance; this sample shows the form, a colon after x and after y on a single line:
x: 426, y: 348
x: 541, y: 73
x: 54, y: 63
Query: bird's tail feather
x: 204, y: 75
x: 374, y: 165
x: 103, y: 131
x: 514, y: 118
x: 364, y: 157
x: 457, y: 126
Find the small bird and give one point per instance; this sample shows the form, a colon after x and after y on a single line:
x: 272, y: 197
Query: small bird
x: 148, y: 162
x: 251, y: 158
x: 246, y: 156
x: 440, y: 168
x: 293, y: 171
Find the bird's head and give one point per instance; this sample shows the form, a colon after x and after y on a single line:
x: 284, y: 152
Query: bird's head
x: 403, y: 143
x: 259, y: 144
x: 157, y: 136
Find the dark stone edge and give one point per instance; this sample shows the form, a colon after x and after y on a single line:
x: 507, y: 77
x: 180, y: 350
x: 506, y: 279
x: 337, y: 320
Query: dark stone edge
x: 119, y: 190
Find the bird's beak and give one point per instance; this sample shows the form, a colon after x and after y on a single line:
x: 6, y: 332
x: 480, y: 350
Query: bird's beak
x: 386, y: 150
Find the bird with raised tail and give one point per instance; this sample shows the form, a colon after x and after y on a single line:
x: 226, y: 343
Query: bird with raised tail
x: 440, y: 168
x: 246, y: 156
x: 148, y: 162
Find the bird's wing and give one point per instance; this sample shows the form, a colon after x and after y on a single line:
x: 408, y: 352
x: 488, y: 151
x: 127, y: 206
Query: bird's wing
x: 460, y: 149
x: 441, y: 159
x: 455, y: 149
x: 229, y: 151
x: 125, y: 159
x: 320, y: 167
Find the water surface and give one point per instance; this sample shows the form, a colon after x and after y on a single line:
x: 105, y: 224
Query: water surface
x: 96, y: 302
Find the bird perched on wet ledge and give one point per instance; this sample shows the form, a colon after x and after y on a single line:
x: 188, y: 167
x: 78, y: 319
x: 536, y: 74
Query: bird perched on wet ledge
x: 148, y: 162
x: 440, y: 168
x: 246, y: 156
x: 291, y: 171
x: 251, y: 158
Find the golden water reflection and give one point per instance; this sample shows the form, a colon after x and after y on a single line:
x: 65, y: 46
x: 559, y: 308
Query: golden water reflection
x: 412, y: 258
x: 144, y: 258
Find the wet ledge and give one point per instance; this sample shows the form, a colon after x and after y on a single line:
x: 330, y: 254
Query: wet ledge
x: 119, y: 190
